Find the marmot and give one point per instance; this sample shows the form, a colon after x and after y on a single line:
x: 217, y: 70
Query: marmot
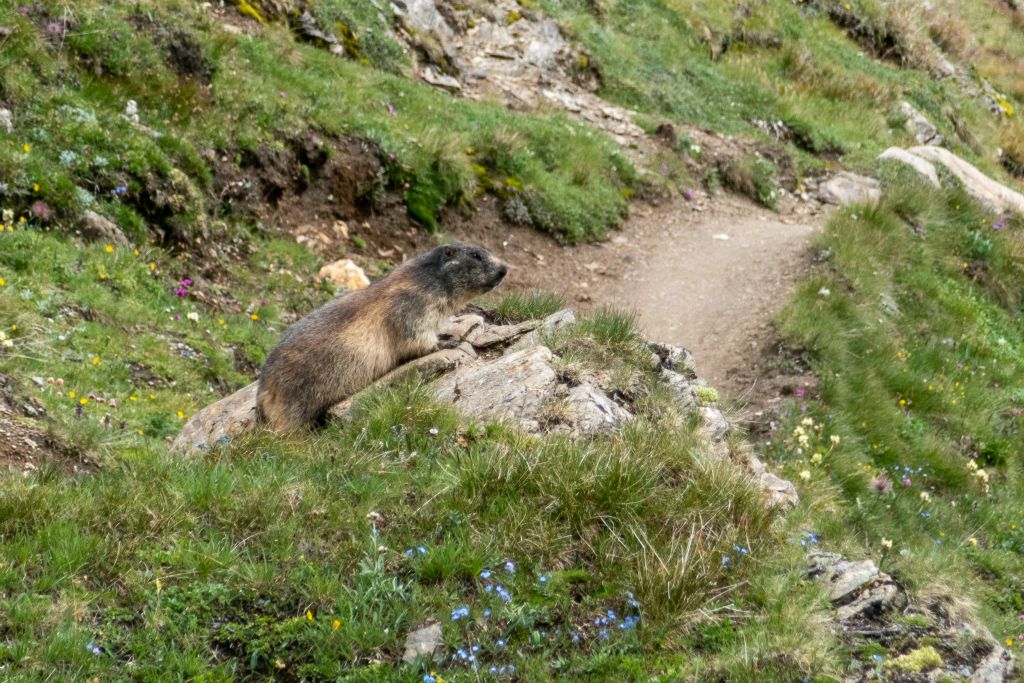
x: 349, y: 342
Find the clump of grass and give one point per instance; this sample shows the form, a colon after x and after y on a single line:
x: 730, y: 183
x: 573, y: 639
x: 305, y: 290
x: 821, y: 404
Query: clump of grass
x: 1012, y: 142
x: 751, y: 175
x: 517, y: 307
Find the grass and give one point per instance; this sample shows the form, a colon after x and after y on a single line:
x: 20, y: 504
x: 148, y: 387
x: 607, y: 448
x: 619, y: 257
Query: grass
x: 314, y: 558
x: 913, y: 324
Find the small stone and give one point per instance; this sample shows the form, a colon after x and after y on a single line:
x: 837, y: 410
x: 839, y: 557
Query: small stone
x: 344, y: 273
x: 6, y: 120
x: 98, y: 228
x: 714, y: 422
x: 424, y: 642
x: 921, y: 128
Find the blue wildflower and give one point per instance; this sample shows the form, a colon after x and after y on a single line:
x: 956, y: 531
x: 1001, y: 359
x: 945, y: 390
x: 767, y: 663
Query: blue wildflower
x: 427, y: 678
x: 612, y: 616
x: 487, y: 614
x: 726, y: 560
x: 475, y: 649
x: 742, y: 550
x: 510, y: 567
x: 500, y: 643
x: 421, y: 550
x: 575, y: 637
x: 459, y: 613
x: 92, y: 647
x: 485, y: 574
x: 504, y: 594
x: 408, y: 552
x: 544, y: 578
x: 603, y: 633
x: 493, y: 670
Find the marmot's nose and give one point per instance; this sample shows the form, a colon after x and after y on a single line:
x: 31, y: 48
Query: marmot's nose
x: 502, y: 270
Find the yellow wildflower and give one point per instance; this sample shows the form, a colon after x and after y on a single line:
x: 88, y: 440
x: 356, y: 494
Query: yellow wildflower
x: 95, y: 360
x: 83, y: 401
x: 71, y: 394
x: 805, y: 475
x: 159, y: 586
x: 26, y: 148
x: 309, y: 615
x: 254, y: 317
x: 35, y: 188
x: 181, y: 414
x: 816, y: 458
x: 109, y: 249
x: 335, y: 625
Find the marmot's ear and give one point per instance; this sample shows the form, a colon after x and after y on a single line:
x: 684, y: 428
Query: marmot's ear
x: 449, y: 252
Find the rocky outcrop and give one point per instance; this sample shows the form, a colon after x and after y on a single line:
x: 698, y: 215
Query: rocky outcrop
x: 508, y: 373
x: 872, y: 609
x: 990, y: 193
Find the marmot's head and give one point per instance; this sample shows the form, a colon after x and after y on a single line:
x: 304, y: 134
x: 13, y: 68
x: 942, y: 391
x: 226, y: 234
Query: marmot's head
x: 464, y: 271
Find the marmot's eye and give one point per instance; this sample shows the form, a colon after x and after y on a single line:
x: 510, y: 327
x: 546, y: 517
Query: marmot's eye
x: 478, y: 256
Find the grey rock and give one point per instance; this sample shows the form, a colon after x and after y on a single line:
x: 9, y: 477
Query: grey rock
x: 459, y: 327
x: 218, y: 422
x: 921, y: 128
x: 681, y: 388
x: 424, y: 642
x: 849, y: 188
x: 6, y: 120
x: 485, y: 336
x: 845, y: 579
x: 96, y: 227
x: 714, y: 423
x: 994, y: 195
x: 675, y: 358
x: 925, y: 168
x: 995, y: 668
x: 871, y: 601
x: 520, y: 386
x: 441, y: 80
x: 779, y: 492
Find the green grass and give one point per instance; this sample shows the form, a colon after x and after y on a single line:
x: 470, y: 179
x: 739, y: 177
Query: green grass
x: 302, y: 558
x: 913, y: 323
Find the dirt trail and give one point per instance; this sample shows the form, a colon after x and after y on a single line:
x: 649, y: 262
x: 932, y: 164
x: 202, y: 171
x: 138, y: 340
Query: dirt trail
x: 709, y: 276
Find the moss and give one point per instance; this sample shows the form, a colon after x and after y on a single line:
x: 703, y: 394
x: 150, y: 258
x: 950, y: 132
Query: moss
x: 250, y: 11
x: 921, y: 659
x: 707, y: 394
x: 513, y: 17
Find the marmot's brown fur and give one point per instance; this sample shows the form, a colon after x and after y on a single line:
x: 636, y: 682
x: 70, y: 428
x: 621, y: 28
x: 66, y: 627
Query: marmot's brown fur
x: 349, y: 342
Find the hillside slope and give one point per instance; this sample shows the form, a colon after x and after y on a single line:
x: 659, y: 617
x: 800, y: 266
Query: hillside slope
x: 173, y: 175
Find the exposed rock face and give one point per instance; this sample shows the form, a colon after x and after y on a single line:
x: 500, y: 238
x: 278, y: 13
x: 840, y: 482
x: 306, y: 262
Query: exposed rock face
x: 849, y: 188
x: 507, y: 373
x: 872, y: 608
x: 994, y: 195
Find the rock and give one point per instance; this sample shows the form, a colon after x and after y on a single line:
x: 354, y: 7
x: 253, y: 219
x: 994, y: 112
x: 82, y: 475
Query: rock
x: 440, y: 80
x: 994, y: 195
x: 6, y: 120
x: 320, y: 239
x: 870, y: 602
x: 485, y: 336
x: 714, y: 423
x: 845, y: 578
x: 925, y: 168
x: 921, y: 128
x: 344, y: 273
x: 521, y: 386
x: 546, y: 46
x: 98, y: 228
x: 219, y: 422
x: 675, y: 358
x: 425, y: 642
x: 779, y: 492
x: 681, y: 388
x: 849, y: 188
x: 995, y: 668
